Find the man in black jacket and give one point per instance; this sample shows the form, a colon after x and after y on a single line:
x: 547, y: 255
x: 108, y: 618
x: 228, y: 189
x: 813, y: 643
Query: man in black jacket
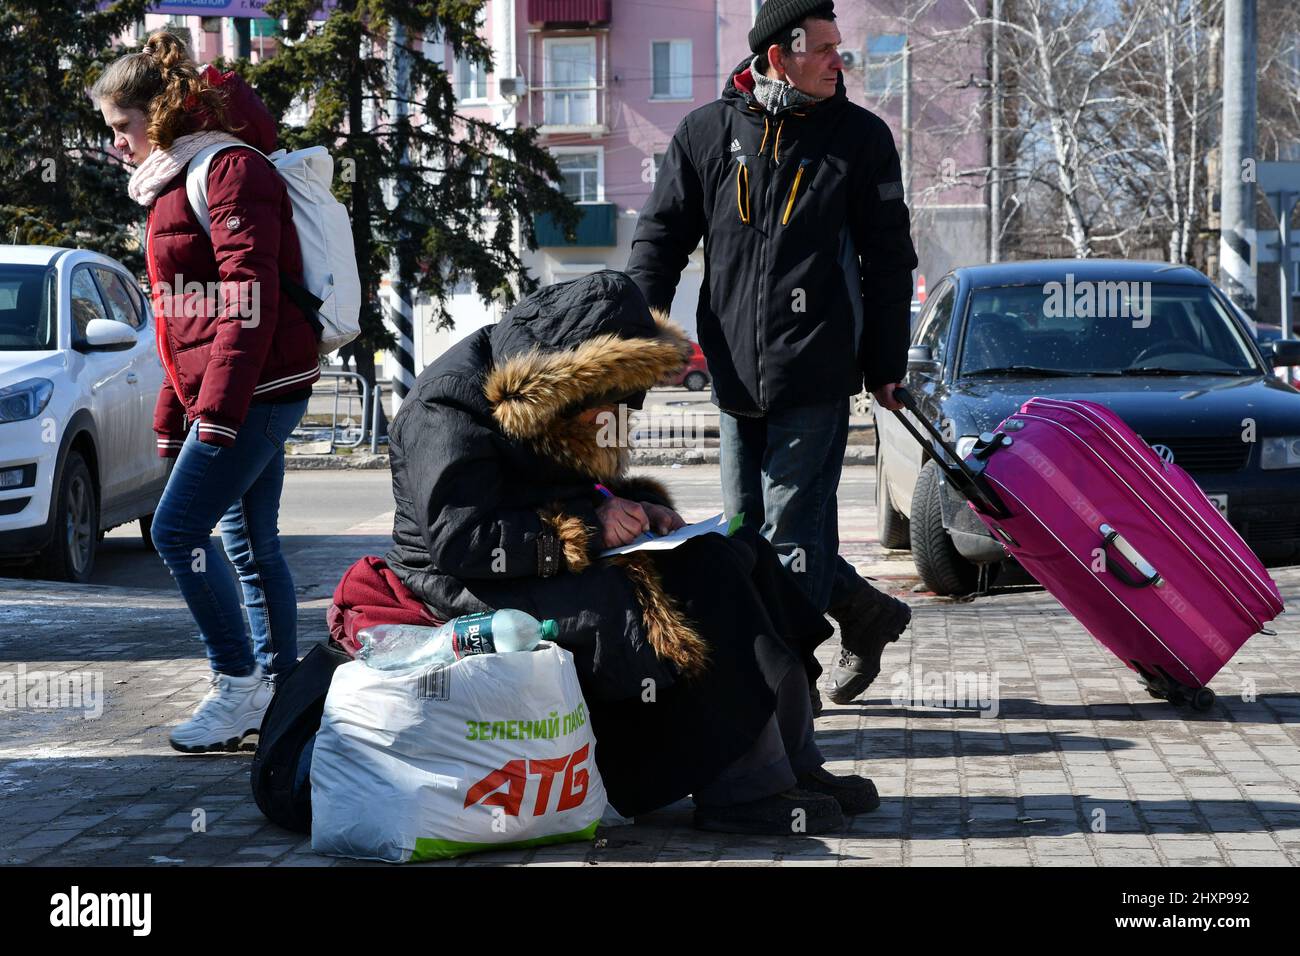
x: 798, y: 196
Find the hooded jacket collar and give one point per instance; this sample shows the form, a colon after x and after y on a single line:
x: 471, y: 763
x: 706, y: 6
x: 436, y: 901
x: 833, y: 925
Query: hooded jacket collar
x: 567, y: 346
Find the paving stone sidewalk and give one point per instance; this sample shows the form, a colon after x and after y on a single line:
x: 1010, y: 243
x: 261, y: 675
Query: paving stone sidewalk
x: 1078, y: 767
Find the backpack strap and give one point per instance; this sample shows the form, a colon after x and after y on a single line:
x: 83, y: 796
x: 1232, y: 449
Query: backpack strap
x: 196, y: 179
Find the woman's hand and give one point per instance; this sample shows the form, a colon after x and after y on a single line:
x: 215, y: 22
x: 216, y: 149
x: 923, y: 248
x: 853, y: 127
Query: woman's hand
x: 622, y: 521
x: 663, y: 520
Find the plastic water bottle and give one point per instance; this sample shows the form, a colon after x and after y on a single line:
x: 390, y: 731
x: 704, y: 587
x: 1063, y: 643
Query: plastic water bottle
x: 388, y: 647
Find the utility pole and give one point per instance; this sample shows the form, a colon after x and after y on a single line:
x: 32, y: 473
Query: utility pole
x: 1237, y: 174
x: 241, y: 37
x: 905, y: 121
x: 400, y: 311
x: 995, y: 141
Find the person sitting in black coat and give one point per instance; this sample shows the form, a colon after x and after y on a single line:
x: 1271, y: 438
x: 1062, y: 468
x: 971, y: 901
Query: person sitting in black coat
x: 694, y: 661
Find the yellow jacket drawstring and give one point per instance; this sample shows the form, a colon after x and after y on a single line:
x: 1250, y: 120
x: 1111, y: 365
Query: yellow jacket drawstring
x: 776, y: 151
x: 742, y: 206
x: 766, y: 127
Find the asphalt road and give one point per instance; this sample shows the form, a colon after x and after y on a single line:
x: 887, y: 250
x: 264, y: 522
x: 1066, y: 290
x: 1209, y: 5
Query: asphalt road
x: 350, y: 513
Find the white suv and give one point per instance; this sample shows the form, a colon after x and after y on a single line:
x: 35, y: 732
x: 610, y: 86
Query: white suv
x: 79, y: 374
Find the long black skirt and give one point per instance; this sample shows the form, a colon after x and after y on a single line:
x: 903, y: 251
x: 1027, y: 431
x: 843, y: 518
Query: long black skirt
x: 654, y: 749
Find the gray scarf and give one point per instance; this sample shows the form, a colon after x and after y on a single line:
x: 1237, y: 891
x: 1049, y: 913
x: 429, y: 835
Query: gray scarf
x: 776, y: 95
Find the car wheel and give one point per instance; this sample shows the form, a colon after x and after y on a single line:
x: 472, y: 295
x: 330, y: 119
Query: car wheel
x: 71, y: 553
x: 943, y: 570
x: 891, y: 526
x: 146, y: 532
x: 696, y: 381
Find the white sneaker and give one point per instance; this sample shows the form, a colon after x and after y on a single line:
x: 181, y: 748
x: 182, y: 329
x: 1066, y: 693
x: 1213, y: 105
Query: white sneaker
x: 232, y: 710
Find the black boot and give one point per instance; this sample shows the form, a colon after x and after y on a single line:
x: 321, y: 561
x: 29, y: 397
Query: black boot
x: 854, y: 794
x: 868, y: 621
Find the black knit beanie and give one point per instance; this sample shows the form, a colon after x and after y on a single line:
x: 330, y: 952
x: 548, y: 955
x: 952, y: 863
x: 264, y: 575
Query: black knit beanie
x: 777, y: 16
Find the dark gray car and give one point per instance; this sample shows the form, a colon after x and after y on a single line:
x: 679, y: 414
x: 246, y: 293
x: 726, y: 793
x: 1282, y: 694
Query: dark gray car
x: 1158, y: 344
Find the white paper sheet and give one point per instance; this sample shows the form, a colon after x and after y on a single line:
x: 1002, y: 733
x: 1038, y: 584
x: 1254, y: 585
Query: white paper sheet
x: 667, y: 542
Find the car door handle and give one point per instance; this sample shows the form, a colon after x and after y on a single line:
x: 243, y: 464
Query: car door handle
x: 131, y: 378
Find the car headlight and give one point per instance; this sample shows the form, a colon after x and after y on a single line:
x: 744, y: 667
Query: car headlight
x: 25, y: 400
x: 966, y: 445
x: 1281, y: 452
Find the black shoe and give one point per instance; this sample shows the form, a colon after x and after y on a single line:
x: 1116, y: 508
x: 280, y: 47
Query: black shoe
x: 867, y: 623
x: 793, y: 813
x: 854, y: 794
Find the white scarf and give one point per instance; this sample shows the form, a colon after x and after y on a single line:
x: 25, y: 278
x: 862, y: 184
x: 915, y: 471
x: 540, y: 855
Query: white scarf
x: 161, y: 165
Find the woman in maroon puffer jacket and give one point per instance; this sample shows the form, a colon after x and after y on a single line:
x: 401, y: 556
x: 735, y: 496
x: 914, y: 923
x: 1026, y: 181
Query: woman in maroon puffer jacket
x: 240, y: 359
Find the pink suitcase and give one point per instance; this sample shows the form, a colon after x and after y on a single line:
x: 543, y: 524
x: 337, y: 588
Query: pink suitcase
x: 1124, y: 540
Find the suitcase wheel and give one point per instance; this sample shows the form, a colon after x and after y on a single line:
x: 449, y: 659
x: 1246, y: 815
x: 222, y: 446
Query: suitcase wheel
x: 1163, y: 687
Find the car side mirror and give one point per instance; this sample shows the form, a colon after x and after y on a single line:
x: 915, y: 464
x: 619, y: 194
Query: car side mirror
x: 1285, y: 352
x: 920, y: 358
x: 108, y: 335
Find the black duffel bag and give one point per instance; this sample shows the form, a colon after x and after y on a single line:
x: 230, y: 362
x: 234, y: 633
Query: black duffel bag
x: 280, y: 766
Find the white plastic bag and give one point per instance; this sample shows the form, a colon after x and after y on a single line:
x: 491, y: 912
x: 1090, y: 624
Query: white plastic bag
x: 492, y: 751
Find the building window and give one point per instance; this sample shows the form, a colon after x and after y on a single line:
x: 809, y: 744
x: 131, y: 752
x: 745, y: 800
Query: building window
x: 570, y: 81
x: 471, y: 80
x: 580, y: 175
x: 884, y: 67
x: 670, y: 61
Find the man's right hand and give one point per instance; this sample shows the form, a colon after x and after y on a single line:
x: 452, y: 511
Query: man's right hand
x: 621, y: 521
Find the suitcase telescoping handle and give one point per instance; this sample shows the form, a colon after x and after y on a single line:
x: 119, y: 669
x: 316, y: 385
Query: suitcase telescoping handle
x: 960, y: 475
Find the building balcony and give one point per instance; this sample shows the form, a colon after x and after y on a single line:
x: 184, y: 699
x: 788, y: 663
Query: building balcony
x: 597, y: 227
x: 569, y: 13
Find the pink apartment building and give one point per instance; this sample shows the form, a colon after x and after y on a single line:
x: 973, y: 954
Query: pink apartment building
x: 607, y: 82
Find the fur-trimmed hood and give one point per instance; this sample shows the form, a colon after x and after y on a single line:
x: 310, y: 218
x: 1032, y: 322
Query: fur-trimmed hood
x: 494, y: 478
x: 571, y: 346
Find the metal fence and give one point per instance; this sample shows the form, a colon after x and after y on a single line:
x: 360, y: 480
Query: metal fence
x: 339, y: 409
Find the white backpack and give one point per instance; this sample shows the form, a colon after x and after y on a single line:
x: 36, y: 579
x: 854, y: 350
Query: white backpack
x: 329, y: 261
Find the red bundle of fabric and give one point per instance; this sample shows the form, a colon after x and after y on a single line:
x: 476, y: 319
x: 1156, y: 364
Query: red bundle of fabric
x: 369, y: 593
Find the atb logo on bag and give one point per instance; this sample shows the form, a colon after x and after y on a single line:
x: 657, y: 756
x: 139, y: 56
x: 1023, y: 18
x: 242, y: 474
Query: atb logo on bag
x: 514, y: 777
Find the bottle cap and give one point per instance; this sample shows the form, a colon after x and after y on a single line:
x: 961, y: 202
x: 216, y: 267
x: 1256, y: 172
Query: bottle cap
x: 550, y: 630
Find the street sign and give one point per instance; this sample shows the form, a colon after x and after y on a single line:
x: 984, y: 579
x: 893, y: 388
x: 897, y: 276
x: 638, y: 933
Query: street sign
x: 1267, y: 249
x: 1273, y: 177
x: 1280, y: 184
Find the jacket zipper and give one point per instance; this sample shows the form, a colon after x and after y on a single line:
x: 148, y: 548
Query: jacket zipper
x: 762, y: 286
x: 794, y: 190
x: 762, y: 255
x: 160, y: 322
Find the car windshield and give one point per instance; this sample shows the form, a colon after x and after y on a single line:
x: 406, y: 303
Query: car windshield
x: 27, y: 314
x: 1130, y: 328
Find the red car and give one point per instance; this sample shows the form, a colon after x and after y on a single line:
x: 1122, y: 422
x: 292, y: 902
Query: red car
x: 695, y: 375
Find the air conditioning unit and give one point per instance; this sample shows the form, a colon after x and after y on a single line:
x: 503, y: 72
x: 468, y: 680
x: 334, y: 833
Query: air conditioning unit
x: 512, y: 86
x: 850, y: 58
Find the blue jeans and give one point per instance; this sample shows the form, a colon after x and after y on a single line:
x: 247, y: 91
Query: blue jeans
x: 783, y: 472
x: 238, y: 488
